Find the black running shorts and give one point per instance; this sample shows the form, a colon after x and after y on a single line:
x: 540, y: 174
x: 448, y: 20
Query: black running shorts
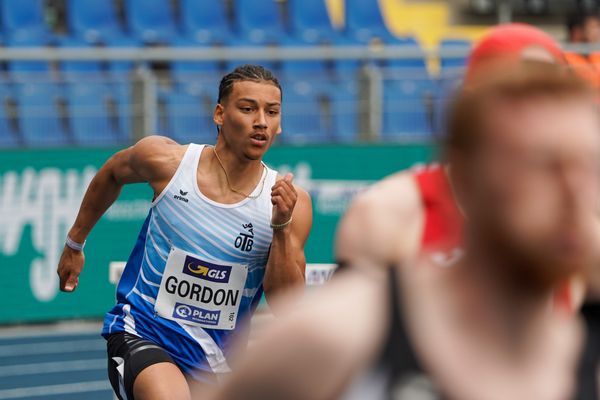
x: 128, y: 355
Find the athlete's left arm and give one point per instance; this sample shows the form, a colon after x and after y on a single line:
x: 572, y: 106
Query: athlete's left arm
x: 287, y: 262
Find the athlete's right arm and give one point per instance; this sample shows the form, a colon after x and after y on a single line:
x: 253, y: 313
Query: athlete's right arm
x: 151, y: 160
x: 383, y: 225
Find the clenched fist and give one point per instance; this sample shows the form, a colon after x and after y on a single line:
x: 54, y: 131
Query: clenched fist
x: 283, y: 197
x: 69, y: 268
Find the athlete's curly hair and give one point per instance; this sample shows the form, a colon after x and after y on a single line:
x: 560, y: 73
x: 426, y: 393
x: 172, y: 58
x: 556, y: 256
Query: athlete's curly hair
x: 248, y: 72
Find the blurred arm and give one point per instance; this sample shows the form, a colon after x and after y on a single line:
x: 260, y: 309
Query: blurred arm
x: 318, y: 346
x: 383, y: 225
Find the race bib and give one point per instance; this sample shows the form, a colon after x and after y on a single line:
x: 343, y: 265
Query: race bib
x: 198, y: 292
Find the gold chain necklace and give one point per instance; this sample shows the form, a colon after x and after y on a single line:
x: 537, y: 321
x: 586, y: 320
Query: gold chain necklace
x: 248, y: 196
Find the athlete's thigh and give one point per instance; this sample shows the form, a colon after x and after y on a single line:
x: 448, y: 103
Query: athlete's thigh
x: 140, y: 369
x: 162, y: 381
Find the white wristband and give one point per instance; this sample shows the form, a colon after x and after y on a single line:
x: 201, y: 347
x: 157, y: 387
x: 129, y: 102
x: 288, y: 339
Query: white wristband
x: 70, y: 243
x: 281, y: 226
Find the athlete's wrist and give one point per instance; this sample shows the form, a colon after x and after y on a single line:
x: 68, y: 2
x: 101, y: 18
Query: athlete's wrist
x: 74, y: 245
x: 282, y: 225
x: 77, y: 234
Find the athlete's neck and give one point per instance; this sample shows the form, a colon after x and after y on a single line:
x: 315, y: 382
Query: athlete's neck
x: 243, y: 174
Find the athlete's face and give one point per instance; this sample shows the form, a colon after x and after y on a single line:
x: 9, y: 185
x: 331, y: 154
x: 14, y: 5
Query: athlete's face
x: 535, y: 184
x: 250, y: 118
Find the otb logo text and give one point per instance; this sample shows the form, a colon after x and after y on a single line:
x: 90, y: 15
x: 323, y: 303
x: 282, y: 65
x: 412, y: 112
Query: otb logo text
x: 245, y: 240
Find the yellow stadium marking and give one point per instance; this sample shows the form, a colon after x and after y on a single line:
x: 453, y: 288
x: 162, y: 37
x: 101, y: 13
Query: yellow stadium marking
x: 429, y: 21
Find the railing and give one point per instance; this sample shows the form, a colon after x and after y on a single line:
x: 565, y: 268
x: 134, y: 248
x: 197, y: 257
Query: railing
x: 390, y: 96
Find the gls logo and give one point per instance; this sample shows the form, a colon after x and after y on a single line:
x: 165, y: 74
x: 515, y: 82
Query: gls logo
x: 181, y: 196
x: 245, y: 241
x: 205, y: 270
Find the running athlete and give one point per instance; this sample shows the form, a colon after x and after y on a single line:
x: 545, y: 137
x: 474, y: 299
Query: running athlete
x: 415, y: 210
x: 222, y: 228
x: 524, y: 149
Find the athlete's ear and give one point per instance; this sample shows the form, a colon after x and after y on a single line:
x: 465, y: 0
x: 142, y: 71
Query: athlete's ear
x: 218, y: 114
x: 279, y: 130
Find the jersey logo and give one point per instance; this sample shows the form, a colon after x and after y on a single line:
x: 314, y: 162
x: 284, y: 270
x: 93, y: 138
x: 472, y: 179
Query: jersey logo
x: 181, y: 196
x: 245, y: 240
x: 205, y: 270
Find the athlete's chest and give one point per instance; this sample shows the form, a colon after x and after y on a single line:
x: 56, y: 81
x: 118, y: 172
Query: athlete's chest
x: 242, y: 233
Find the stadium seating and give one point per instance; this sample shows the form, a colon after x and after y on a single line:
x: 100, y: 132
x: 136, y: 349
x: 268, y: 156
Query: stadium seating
x: 186, y: 68
x: 321, y: 96
x: 90, y: 123
x: 188, y: 119
x: 74, y: 69
x: 40, y: 124
x: 27, y: 69
x: 121, y: 101
x: 205, y: 22
x: 259, y: 22
x: 23, y: 21
x: 94, y: 21
x: 151, y: 21
x: 407, y: 108
x: 413, y: 65
x: 123, y: 68
x: 304, y: 119
x: 365, y: 24
x: 345, y: 110
x: 310, y: 23
x: 8, y: 136
x: 454, y: 45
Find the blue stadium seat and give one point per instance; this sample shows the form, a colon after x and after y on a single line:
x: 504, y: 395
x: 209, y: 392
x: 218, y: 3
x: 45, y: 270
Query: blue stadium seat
x: 453, y: 45
x: 188, y: 120
x: 415, y: 65
x: 94, y: 21
x: 89, y: 115
x: 303, y: 118
x: 205, y: 22
x: 259, y: 21
x: 25, y: 69
x: 23, y: 20
x: 406, y: 110
x: 365, y: 23
x: 39, y: 117
x: 304, y: 69
x: 78, y: 69
x: 121, y: 100
x: 125, y: 67
x: 310, y: 22
x: 345, y: 111
x: 196, y: 77
x: 192, y: 67
x: 151, y: 21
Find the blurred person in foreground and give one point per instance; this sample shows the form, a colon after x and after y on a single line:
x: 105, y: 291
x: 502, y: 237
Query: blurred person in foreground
x: 415, y: 210
x: 524, y: 146
x: 222, y: 228
x: 583, y: 27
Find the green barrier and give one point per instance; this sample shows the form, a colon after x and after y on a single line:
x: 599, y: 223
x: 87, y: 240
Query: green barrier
x: 40, y: 193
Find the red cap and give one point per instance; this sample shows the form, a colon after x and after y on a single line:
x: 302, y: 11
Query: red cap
x: 507, y: 42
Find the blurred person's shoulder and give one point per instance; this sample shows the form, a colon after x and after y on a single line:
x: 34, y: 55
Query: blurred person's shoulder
x: 384, y: 222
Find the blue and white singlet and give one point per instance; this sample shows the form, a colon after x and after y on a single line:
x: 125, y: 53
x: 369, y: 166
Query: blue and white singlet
x: 206, y: 259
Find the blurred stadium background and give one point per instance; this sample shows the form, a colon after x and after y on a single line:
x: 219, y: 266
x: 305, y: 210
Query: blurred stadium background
x: 365, y: 86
